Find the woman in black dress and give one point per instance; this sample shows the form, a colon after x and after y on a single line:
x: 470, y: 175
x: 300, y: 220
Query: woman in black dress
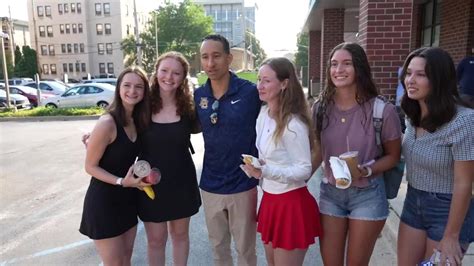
x: 166, y: 144
x: 110, y: 206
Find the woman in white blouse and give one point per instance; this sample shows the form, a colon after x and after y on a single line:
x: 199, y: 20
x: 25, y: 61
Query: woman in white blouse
x: 288, y: 217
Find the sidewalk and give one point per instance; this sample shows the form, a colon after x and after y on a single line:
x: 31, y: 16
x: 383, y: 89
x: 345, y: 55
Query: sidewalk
x: 390, y: 230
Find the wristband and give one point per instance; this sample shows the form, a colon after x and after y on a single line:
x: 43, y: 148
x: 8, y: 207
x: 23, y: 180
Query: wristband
x: 369, y: 171
x: 119, y: 181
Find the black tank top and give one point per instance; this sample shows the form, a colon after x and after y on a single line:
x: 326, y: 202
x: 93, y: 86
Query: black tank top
x: 120, y: 154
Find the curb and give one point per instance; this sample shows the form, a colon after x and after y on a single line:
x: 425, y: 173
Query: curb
x: 48, y: 118
x: 390, y: 230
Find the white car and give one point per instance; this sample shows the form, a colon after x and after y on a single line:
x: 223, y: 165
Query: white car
x: 53, y: 87
x: 83, y: 95
x: 20, y: 101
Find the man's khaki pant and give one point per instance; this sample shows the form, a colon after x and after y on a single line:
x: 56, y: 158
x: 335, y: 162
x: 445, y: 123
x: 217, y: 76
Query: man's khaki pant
x: 232, y: 214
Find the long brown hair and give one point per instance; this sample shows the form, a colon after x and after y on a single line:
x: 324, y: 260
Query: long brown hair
x: 141, y: 111
x: 291, y: 100
x: 184, y: 99
x: 366, y: 88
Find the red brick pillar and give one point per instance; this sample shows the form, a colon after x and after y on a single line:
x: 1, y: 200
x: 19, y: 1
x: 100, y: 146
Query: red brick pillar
x: 455, y: 34
x: 314, y: 61
x: 332, y: 35
x: 384, y: 32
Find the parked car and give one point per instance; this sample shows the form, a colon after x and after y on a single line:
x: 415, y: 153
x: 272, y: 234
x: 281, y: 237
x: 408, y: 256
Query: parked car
x: 111, y: 81
x: 29, y: 93
x: 20, y: 101
x: 83, y: 95
x: 18, y: 81
x: 53, y: 87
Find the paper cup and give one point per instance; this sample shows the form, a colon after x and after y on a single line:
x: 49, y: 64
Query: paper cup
x: 352, y: 161
x: 141, y: 168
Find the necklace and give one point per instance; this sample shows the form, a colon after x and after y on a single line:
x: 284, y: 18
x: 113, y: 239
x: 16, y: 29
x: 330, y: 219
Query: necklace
x: 343, y: 119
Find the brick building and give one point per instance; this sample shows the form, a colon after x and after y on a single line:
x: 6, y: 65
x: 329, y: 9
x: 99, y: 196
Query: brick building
x: 388, y: 30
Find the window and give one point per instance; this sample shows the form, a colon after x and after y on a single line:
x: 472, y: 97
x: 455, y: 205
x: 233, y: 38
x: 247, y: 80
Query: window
x: 99, y: 29
x: 63, y: 48
x: 100, y: 48
x: 110, y: 68
x: 61, y: 28
x: 83, y: 67
x: 81, y: 48
x: 65, y: 68
x: 106, y: 8
x: 108, y: 28
x: 47, y: 11
x: 73, y: 8
x: 44, y: 50
x: 79, y: 8
x: 60, y: 8
x: 50, y: 31
x: 431, y: 23
x: 74, y: 28
x: 78, y: 67
x: 76, y: 48
x: 53, y: 68
x: 40, y: 10
x: 51, y: 50
x: 98, y: 9
x: 79, y: 27
x: 101, y: 68
x: 108, y: 48
x: 42, y: 31
x: 68, y: 28
x: 69, y: 48
x: 45, y: 69
x: 71, y: 67
x: 66, y: 8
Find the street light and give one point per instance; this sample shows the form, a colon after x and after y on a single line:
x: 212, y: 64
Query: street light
x: 5, y: 70
x: 156, y: 33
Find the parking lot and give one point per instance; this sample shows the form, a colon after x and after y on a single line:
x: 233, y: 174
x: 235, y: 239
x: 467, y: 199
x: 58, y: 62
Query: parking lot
x: 42, y: 187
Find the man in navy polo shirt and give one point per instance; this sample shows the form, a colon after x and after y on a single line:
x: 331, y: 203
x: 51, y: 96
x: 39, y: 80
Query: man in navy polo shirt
x: 227, y: 107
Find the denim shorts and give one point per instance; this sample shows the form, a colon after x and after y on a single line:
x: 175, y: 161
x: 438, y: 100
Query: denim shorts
x: 428, y: 211
x: 367, y: 203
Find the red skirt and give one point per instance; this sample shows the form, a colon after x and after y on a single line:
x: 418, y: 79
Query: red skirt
x: 289, y: 220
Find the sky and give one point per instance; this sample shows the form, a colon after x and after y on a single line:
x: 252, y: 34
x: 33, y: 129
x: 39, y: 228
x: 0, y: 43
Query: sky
x: 277, y: 21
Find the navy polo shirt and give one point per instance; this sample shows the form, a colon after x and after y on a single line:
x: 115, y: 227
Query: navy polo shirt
x: 233, y: 135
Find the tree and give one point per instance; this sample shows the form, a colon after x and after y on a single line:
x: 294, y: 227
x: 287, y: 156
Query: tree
x: 301, y: 56
x: 8, y: 58
x: 181, y: 28
x: 255, y: 48
x: 25, y: 62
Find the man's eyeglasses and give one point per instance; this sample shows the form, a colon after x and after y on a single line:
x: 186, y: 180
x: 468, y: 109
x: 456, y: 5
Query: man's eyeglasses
x: 214, y: 115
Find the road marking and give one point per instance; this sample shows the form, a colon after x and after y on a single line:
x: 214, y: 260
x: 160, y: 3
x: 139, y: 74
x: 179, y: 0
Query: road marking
x: 58, y: 249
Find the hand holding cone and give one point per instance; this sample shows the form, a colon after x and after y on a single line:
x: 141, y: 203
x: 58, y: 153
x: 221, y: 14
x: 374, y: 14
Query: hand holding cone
x: 151, y: 176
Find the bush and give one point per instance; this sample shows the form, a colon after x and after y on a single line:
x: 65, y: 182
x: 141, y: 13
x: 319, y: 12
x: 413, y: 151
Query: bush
x: 43, y: 111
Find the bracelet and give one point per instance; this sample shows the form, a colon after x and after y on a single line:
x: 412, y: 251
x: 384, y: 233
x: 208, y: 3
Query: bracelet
x: 119, y: 181
x: 369, y: 171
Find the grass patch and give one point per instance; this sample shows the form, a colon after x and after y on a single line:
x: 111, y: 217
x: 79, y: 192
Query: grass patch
x: 250, y: 76
x: 43, y: 111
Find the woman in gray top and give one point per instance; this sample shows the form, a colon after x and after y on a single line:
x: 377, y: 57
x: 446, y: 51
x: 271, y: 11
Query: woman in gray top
x: 438, y: 213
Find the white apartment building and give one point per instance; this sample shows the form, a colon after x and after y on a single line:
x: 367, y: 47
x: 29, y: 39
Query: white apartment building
x: 231, y: 19
x: 18, y: 33
x: 81, y: 37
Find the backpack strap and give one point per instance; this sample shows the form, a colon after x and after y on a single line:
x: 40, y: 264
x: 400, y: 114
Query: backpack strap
x: 377, y: 118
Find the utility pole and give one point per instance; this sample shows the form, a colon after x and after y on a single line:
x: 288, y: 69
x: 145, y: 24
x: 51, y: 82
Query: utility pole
x: 137, y: 35
x: 5, y: 69
x: 35, y: 30
x: 156, y: 33
x: 245, y: 41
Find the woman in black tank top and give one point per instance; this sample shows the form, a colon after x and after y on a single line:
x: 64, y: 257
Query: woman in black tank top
x: 110, y: 208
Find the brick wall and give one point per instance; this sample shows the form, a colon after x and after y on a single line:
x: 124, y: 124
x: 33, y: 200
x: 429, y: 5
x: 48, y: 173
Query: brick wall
x: 314, y: 56
x: 456, y: 33
x: 332, y: 35
x: 385, y: 33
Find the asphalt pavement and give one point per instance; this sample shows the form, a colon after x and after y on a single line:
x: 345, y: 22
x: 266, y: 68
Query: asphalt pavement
x: 42, y: 187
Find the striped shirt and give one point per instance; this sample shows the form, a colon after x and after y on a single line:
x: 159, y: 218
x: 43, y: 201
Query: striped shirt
x: 430, y: 157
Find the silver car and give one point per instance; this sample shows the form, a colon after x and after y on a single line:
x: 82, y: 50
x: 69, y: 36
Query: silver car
x: 83, y: 95
x: 20, y: 101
